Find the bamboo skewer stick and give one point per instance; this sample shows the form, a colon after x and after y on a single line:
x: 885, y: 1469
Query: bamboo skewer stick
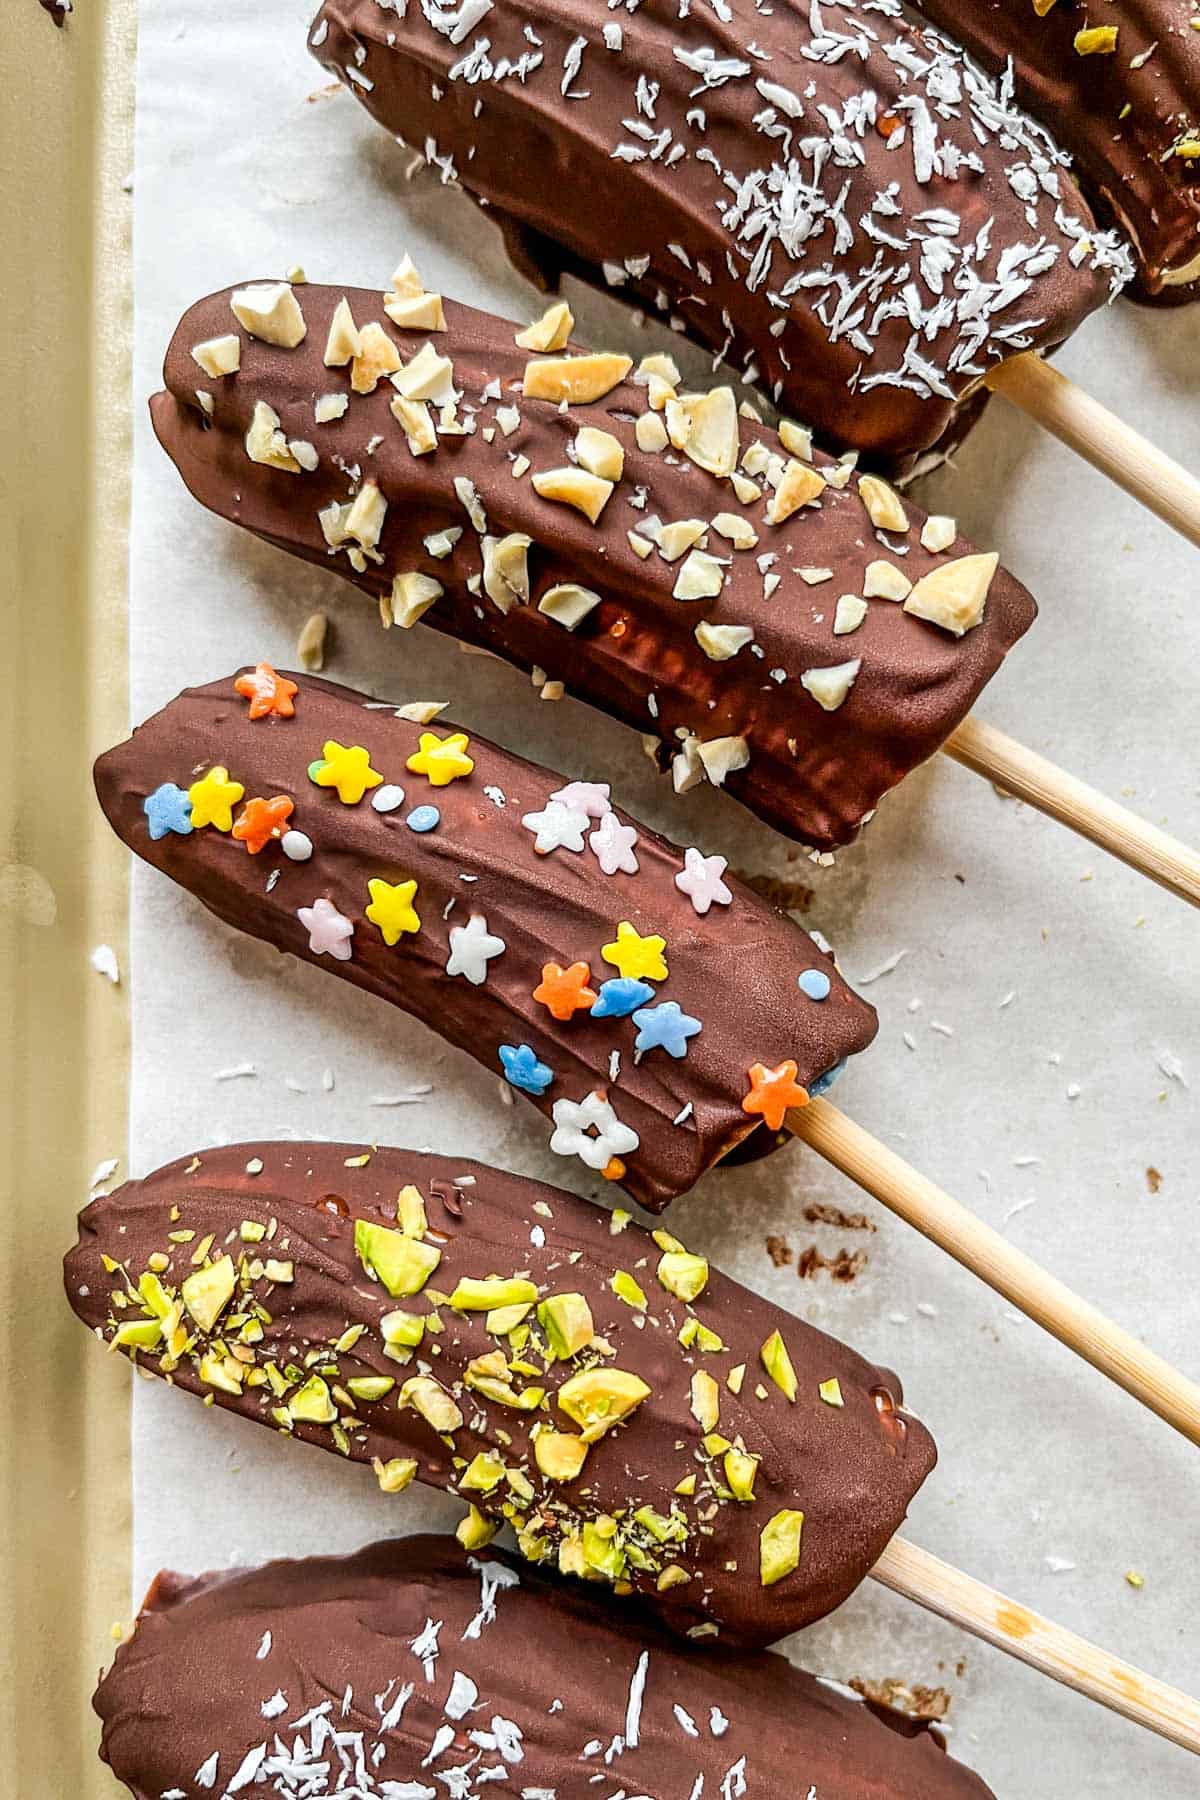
x: 978, y: 1247
x: 1105, y: 823
x: 1154, y: 479
x: 1051, y: 1649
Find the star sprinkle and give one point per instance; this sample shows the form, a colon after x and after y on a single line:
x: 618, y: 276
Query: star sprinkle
x: 591, y: 1130
x: 556, y: 827
x: 472, y: 947
x: 635, y: 956
x: 590, y: 797
x: 523, y: 1070
x: 772, y: 1091
x: 664, y: 1027
x: 700, y: 879
x: 267, y: 692
x: 213, y: 799
x: 392, y: 909
x: 619, y: 997
x: 329, y: 931
x: 441, y: 760
x: 168, y: 808
x: 613, y: 844
x: 347, y: 768
x: 262, y: 821
x: 564, y: 992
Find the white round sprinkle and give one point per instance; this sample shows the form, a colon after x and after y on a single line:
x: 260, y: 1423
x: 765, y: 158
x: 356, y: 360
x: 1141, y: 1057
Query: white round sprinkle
x: 296, y: 846
x: 387, y: 798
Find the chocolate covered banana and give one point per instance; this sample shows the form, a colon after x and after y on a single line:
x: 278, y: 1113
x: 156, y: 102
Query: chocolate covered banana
x: 782, y: 625
x: 1121, y: 87
x: 636, y: 1416
x: 831, y: 196
x: 410, y: 1671
x: 648, y: 1003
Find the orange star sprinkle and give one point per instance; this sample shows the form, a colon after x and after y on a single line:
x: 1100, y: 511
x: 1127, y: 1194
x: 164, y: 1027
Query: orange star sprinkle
x: 565, y: 991
x: 772, y: 1091
x: 267, y: 692
x: 262, y: 822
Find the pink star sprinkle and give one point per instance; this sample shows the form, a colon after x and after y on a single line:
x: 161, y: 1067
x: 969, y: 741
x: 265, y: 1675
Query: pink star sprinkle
x: 329, y: 931
x: 613, y: 844
x: 590, y: 797
x: 700, y: 880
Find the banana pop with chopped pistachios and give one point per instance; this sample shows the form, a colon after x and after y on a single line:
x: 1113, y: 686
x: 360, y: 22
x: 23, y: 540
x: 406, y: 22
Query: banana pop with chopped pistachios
x: 774, y: 622
x: 638, y: 1418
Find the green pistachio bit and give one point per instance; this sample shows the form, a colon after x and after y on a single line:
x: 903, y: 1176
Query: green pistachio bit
x: 520, y: 1484
x: 831, y: 1392
x: 482, y: 1296
x: 280, y: 1271
x: 665, y: 1241
x: 278, y: 1380
x: 505, y: 1394
x: 503, y: 1319
x: 663, y: 1528
x: 778, y: 1364
x: 403, y: 1264
x: 138, y: 1334
x: 410, y: 1212
x: 533, y: 1545
x: 566, y: 1320
x: 475, y: 1531
x: 402, y: 1329
x: 370, y: 1387
x: 695, y: 1336
x: 672, y: 1576
x: 735, y: 1378
x: 706, y: 1401
x: 683, y: 1275
x: 559, y: 1456
x: 619, y: 1220
x: 779, y: 1546
x: 427, y: 1397
x: 313, y: 1403
x: 281, y: 1418
x: 349, y: 1338
x: 740, y: 1471
x: 483, y: 1473
x: 221, y: 1372
x: 598, y: 1399
x: 251, y: 1232
x: 686, y: 1487
x: 208, y: 1292
x: 154, y: 1295
x: 394, y: 1476
x: 601, y: 1551
x: 714, y: 1444
x: 519, y: 1337
x: 626, y: 1288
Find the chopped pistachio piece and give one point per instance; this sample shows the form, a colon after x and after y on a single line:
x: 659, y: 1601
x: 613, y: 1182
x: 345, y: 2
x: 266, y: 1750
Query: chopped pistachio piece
x: 137, y: 1334
x: 566, y: 1320
x: 313, y: 1403
x: 475, y: 1531
x: 778, y: 1364
x: 683, y: 1274
x: 472, y: 1295
x: 207, y: 1292
x: 370, y: 1387
x: 403, y: 1264
x: 831, y: 1392
x: 503, y: 1319
x: 598, y: 1399
x: 394, y: 1476
x: 558, y: 1455
x: 740, y: 1472
x: 402, y: 1328
x: 429, y: 1398
x: 627, y: 1289
x: 779, y: 1546
x: 706, y: 1400
x: 482, y: 1473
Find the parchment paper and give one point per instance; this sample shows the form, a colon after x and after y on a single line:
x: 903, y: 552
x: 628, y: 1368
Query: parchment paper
x: 1034, y: 969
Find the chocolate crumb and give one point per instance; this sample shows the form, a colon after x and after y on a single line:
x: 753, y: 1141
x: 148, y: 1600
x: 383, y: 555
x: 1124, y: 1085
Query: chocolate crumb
x: 915, y: 1701
x: 845, y: 1266
x: 1153, y: 1179
x: 58, y: 10
x: 822, y: 1214
x: 779, y: 1251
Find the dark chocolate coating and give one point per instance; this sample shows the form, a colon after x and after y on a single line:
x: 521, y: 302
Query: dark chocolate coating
x: 883, y: 326
x: 1122, y: 116
x: 558, y: 1668
x: 736, y: 969
x: 812, y: 774
x: 851, y: 1469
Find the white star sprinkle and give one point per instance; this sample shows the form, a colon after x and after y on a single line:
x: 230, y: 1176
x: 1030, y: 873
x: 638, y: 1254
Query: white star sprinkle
x: 556, y: 827
x: 472, y: 947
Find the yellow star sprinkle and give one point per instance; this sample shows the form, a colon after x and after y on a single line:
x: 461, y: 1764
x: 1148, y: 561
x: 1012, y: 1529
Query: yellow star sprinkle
x: 346, y: 768
x: 637, y: 958
x: 441, y: 759
x: 213, y: 799
x: 392, y: 908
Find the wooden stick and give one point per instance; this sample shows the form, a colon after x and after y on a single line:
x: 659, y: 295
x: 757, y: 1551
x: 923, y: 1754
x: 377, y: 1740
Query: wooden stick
x: 1041, y: 1296
x: 941, y: 1589
x: 1060, y: 796
x: 1102, y: 439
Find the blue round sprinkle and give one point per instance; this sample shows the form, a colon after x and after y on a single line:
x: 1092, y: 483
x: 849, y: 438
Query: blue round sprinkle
x: 423, y: 818
x: 814, y: 983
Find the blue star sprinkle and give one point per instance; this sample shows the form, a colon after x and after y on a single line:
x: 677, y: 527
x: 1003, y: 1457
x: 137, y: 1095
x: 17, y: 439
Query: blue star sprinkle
x: 664, y: 1027
x: 618, y: 998
x: 423, y: 818
x: 815, y: 983
x: 522, y: 1068
x: 168, y: 809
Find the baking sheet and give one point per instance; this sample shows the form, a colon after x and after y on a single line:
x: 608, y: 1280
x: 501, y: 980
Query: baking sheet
x: 1038, y: 1036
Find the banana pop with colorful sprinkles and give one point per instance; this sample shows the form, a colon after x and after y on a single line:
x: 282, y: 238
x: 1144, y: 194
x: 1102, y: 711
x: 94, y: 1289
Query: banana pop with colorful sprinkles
x: 524, y: 917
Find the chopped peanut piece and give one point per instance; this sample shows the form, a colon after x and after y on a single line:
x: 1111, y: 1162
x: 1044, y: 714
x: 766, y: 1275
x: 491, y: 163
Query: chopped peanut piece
x: 377, y: 355
x: 343, y: 343
x: 705, y: 428
x: 658, y: 366
x: 701, y: 577
x: 600, y: 453
x: 588, y: 494
x: 739, y: 531
x: 265, y: 442
x: 721, y: 756
x: 829, y: 687
x: 329, y: 407
x: 429, y: 376
x: 506, y: 569
x: 800, y: 486
x: 680, y: 535
x: 412, y: 596
x: 720, y: 642
x: 576, y: 379
x: 568, y: 603
x: 849, y: 614
x: 415, y: 312
x: 639, y: 545
x: 955, y: 593
x: 938, y: 533
x: 551, y: 331
x: 796, y: 439
x: 885, y: 509
x: 364, y: 521
x: 416, y: 424
x: 884, y: 581
x: 651, y: 433
x: 406, y: 282
x: 269, y: 310
x: 220, y: 355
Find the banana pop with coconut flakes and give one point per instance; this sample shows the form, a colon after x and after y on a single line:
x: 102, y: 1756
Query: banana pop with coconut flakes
x: 645, y: 1000
x: 637, y: 1417
x: 782, y: 625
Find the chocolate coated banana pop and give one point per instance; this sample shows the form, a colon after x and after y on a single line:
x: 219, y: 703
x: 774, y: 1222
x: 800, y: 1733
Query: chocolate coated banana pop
x: 783, y: 626
x: 831, y: 196
x: 636, y: 1416
x: 657, y: 1011
x: 1121, y: 86
x: 410, y: 1671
